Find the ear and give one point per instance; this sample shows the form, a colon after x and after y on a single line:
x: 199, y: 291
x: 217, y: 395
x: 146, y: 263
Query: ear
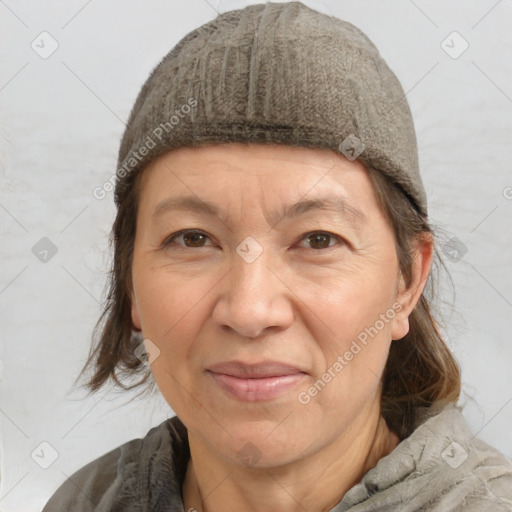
x: 135, y: 312
x: 409, y: 295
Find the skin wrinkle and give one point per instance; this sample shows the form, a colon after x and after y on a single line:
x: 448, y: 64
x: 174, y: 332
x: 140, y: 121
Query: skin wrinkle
x: 336, y: 204
x: 294, y: 304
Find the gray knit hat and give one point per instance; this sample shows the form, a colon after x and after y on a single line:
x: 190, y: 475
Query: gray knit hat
x: 276, y: 73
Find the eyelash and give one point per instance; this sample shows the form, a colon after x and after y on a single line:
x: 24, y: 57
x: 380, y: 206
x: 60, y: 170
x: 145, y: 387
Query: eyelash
x: 172, y: 237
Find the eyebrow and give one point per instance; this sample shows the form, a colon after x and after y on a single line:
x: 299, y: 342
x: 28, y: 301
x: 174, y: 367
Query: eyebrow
x: 331, y: 202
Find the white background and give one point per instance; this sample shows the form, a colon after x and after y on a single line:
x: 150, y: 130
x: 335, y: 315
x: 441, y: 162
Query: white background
x: 62, y: 119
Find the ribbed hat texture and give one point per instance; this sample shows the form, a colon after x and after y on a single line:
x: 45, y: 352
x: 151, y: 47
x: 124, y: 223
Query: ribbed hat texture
x: 275, y: 73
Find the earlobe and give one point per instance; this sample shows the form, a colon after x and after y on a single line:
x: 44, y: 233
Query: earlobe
x: 135, y: 314
x: 410, y: 295
x: 400, y: 326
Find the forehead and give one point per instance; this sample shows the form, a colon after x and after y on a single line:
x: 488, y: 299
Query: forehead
x: 270, y: 176
x: 236, y: 160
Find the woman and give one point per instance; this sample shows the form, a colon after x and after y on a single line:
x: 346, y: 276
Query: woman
x: 272, y: 248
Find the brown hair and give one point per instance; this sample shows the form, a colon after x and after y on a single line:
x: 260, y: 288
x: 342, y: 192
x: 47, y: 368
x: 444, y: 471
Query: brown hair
x: 420, y: 369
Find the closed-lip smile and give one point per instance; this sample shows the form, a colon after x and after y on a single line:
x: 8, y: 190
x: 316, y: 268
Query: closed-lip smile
x: 254, y: 382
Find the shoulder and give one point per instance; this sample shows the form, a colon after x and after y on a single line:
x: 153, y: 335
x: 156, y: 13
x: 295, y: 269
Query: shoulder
x: 114, y: 478
x: 465, y: 472
x: 90, y: 485
x: 478, y: 474
x: 440, y: 467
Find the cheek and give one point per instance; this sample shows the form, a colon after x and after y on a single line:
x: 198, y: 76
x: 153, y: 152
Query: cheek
x: 173, y: 310
x: 349, y: 302
x: 351, y: 319
x: 167, y: 301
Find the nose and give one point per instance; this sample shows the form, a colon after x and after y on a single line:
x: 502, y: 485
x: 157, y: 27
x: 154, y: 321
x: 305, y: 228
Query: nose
x: 253, y: 299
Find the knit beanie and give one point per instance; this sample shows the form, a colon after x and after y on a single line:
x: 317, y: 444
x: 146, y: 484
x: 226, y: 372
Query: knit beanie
x: 275, y: 73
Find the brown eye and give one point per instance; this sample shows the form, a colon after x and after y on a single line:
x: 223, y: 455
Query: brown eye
x: 321, y: 240
x: 194, y: 239
x: 188, y: 239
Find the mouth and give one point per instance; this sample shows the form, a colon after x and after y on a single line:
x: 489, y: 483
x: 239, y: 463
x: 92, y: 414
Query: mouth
x: 255, y: 382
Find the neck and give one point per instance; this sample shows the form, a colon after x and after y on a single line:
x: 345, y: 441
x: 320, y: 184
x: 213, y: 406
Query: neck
x: 315, y: 483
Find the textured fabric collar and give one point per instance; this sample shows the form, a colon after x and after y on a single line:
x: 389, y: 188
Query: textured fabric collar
x: 440, y: 462
x: 441, y: 466
x: 151, y: 474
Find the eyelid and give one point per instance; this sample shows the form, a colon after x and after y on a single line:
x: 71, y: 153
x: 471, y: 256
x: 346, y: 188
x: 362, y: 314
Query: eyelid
x: 320, y: 232
x: 171, y: 237
x: 167, y: 241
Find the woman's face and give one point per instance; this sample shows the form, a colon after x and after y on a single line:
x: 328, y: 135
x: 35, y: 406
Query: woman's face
x: 278, y: 262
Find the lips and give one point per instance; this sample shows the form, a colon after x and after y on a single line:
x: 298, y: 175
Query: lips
x: 255, y: 382
x: 254, y: 370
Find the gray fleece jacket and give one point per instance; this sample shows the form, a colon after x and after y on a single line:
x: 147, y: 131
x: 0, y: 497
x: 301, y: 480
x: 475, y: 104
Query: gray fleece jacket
x: 440, y: 467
